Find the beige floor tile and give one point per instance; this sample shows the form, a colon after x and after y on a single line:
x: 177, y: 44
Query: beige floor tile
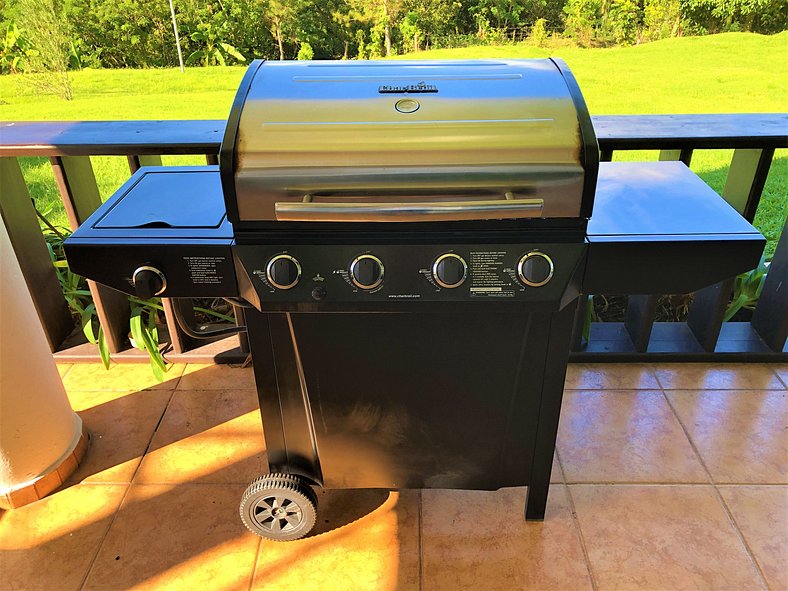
x: 624, y: 436
x: 556, y: 475
x: 479, y: 540
x: 781, y: 369
x: 610, y: 376
x: 120, y: 377
x: 216, y: 377
x: 661, y: 537
x: 364, y: 539
x: 717, y: 376
x: 761, y: 512
x: 742, y: 436
x: 211, y: 436
x: 50, y: 543
x: 176, y: 537
x: 121, y: 426
x: 62, y: 368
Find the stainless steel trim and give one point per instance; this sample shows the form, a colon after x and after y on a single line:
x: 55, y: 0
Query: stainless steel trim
x: 521, y: 275
x: 270, y: 264
x: 154, y: 270
x: 435, y: 270
x: 409, y: 212
x: 361, y: 258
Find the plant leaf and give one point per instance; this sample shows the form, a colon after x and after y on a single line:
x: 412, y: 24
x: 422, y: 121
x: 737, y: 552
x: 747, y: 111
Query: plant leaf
x: 135, y: 323
x: 103, y: 348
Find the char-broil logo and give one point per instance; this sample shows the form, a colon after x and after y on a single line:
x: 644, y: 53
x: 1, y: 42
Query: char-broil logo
x: 420, y: 88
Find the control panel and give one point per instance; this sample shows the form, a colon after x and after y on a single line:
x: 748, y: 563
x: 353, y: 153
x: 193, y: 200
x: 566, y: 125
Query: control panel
x: 378, y: 273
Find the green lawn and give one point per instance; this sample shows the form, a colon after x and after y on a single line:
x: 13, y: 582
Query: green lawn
x: 730, y: 73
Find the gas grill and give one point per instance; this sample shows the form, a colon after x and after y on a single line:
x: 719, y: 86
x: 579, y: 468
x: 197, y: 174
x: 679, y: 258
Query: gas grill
x: 410, y: 239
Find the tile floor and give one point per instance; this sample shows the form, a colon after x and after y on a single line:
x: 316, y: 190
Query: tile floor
x: 668, y: 476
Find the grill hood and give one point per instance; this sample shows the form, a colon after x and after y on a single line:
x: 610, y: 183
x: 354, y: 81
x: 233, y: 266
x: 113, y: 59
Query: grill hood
x: 388, y: 141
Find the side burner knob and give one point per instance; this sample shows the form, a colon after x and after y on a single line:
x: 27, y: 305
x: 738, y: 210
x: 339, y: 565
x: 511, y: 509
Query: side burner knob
x: 283, y: 271
x: 535, y: 269
x: 449, y: 270
x: 366, y: 271
x: 148, y: 282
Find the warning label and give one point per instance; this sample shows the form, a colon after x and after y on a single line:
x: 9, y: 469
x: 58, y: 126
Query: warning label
x: 205, y: 270
x: 488, y: 277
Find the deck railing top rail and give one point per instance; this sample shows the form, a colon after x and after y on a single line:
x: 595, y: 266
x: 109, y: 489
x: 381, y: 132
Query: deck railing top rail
x: 614, y: 132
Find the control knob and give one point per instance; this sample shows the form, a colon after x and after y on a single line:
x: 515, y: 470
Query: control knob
x: 366, y: 271
x: 535, y: 269
x: 283, y: 271
x: 148, y: 282
x: 449, y: 270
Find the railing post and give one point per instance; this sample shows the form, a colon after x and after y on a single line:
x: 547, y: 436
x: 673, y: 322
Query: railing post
x: 746, y: 179
x: 138, y: 161
x: 684, y: 155
x: 179, y: 340
x: 30, y: 248
x: 770, y: 319
x: 80, y: 195
x: 707, y: 311
x: 743, y: 189
x: 639, y: 319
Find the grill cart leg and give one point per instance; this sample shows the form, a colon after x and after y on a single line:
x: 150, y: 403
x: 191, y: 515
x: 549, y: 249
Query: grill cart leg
x: 560, y: 332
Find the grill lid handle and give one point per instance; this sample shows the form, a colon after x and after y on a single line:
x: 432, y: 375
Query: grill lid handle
x: 431, y: 211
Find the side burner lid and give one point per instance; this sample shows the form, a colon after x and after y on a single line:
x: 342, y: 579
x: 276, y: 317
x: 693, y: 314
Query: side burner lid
x: 153, y: 204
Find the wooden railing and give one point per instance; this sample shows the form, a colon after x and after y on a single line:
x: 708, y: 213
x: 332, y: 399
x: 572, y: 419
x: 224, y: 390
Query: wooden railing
x: 704, y: 336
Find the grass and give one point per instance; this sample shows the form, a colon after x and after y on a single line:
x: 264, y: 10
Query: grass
x: 729, y: 73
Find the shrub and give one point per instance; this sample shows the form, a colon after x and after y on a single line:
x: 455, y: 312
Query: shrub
x: 661, y: 19
x: 623, y: 21
x: 305, y: 52
x: 48, y: 59
x: 538, y: 34
x: 582, y: 19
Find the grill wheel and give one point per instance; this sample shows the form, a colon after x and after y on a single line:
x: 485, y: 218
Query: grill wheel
x: 280, y: 507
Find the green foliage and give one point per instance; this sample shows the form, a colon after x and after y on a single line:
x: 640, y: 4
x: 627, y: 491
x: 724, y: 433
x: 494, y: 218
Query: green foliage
x: 212, y: 51
x: 747, y: 290
x: 305, y: 52
x: 47, y: 58
x: 538, y: 34
x: 13, y: 49
x: 623, y: 21
x: 145, y: 335
x: 661, y: 19
x: 582, y: 18
x: 138, y: 33
x: 717, y: 16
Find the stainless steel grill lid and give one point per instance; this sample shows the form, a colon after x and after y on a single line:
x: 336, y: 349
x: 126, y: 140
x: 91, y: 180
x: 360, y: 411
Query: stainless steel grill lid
x: 408, y: 141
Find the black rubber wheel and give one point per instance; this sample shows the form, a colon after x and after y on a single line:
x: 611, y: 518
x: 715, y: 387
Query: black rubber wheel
x: 279, y: 507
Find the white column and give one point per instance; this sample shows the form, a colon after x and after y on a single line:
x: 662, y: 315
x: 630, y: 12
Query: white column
x: 38, y: 429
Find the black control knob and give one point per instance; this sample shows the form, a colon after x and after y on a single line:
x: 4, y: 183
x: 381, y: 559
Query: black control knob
x: 283, y: 271
x: 366, y: 271
x: 449, y: 270
x: 535, y: 269
x: 148, y: 282
x: 318, y: 293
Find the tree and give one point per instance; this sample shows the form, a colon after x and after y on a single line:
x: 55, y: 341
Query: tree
x: 582, y: 18
x: 282, y: 22
x: 426, y: 20
x: 661, y: 19
x: 48, y: 59
x: 623, y: 21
